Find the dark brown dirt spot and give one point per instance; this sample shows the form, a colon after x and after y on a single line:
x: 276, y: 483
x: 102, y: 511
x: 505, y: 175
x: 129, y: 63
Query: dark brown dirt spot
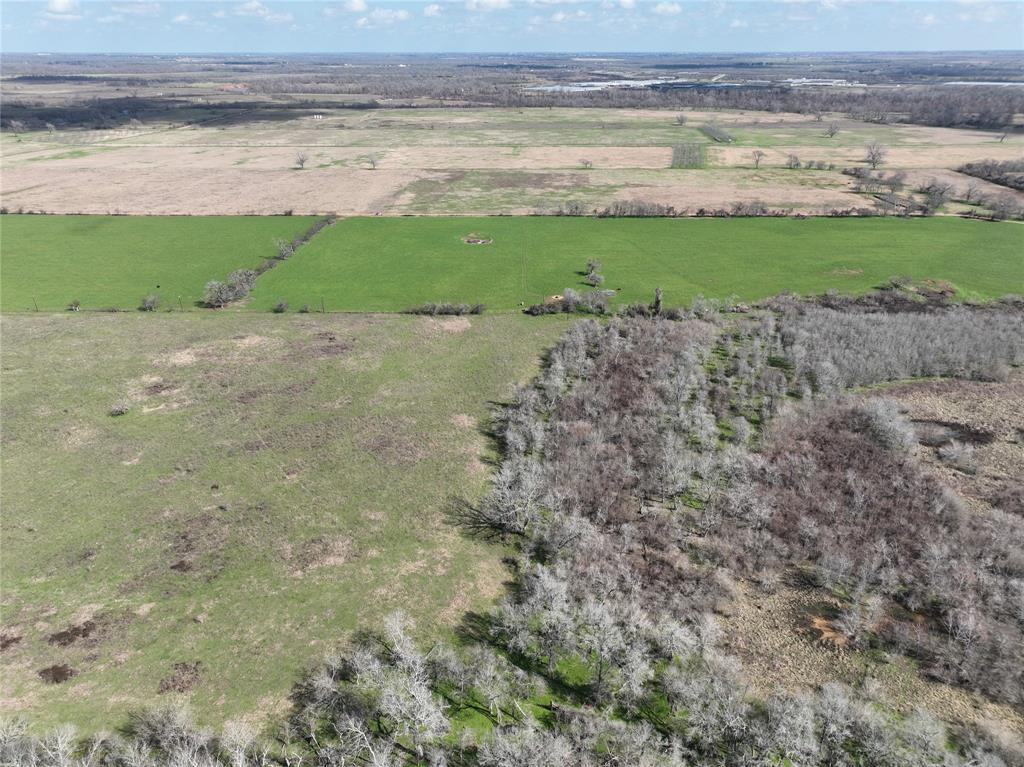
x: 72, y: 634
x: 183, y: 677
x: 56, y: 674
x: 182, y: 566
x: 330, y: 346
x: 8, y: 639
x: 158, y: 388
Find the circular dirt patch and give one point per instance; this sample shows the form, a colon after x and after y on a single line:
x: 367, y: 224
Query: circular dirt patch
x: 477, y: 239
x: 57, y: 673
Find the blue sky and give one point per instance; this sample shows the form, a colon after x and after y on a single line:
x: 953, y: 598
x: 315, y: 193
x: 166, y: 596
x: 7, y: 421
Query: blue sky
x: 173, y: 26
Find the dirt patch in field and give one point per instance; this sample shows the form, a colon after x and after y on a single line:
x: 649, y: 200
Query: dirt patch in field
x: 477, y: 239
x: 160, y: 387
x: 75, y: 437
x: 392, y: 440
x: 180, y: 358
x: 57, y: 674
x: 463, y: 421
x: 8, y: 639
x: 72, y: 634
x: 183, y: 677
x: 320, y: 552
x: 322, y: 344
x: 435, y: 326
x: 198, y: 544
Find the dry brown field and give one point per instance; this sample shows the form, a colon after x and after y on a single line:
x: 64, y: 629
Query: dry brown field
x: 470, y: 161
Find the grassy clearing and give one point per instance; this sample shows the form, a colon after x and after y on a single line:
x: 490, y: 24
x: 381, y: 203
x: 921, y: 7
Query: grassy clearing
x: 276, y: 482
x: 367, y: 264
x: 113, y: 261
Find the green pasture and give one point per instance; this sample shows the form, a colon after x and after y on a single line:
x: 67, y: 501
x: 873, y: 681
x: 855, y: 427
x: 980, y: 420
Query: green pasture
x: 387, y: 264
x: 277, y: 482
x: 113, y: 261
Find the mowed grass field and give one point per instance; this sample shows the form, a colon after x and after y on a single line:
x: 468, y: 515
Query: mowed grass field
x: 114, y: 261
x: 388, y: 264
x: 277, y: 482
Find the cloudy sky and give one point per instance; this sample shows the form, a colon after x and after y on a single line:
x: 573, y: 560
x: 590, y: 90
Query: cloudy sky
x: 171, y: 26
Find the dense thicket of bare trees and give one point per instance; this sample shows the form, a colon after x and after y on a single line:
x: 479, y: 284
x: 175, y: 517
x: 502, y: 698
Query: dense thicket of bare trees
x: 650, y: 465
x: 839, y: 349
x: 1008, y: 173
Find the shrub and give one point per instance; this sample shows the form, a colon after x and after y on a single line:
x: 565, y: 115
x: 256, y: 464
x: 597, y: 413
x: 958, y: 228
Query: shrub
x: 573, y: 302
x: 280, y: 307
x: 959, y: 456
x: 75, y: 306
x: 446, y: 309
x: 237, y: 286
x: 121, y: 407
x: 149, y: 303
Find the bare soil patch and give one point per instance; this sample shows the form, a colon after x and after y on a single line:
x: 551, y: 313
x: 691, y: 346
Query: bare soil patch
x: 183, y: 677
x: 56, y: 674
x: 320, y: 552
x: 322, y: 345
x: 72, y: 634
x: 8, y: 639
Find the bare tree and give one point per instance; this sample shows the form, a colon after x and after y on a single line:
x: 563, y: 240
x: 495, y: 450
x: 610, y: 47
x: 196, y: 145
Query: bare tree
x: 372, y: 161
x: 680, y: 119
x: 792, y: 162
x: 758, y: 155
x: 832, y: 129
x: 972, y: 193
x: 875, y: 154
x: 587, y: 164
x: 301, y: 159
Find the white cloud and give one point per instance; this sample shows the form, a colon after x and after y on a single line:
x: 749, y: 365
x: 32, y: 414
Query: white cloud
x: 182, y: 18
x: 668, y: 9
x: 349, y: 6
x: 382, y: 17
x: 627, y: 3
x: 136, y: 8
x: 432, y: 10
x: 257, y: 8
x: 562, y: 16
x: 737, y: 24
x: 487, y: 5
x: 929, y: 20
x: 113, y: 18
x: 62, y: 10
x: 388, y: 16
x: 220, y: 14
